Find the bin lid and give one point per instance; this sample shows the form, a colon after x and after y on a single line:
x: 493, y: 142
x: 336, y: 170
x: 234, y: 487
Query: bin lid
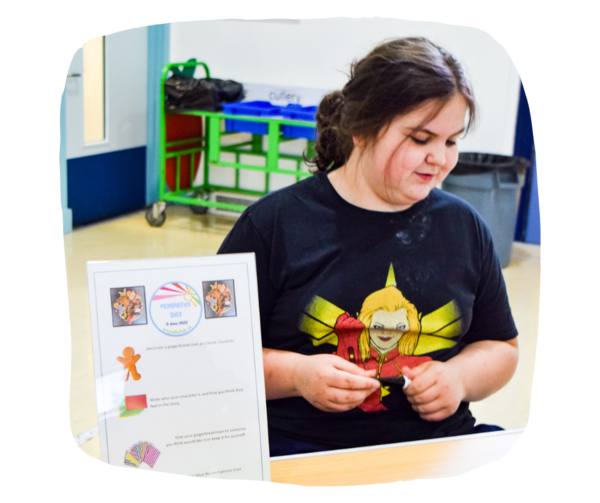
x: 472, y: 163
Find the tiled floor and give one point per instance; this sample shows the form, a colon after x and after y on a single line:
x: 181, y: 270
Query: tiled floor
x: 185, y: 234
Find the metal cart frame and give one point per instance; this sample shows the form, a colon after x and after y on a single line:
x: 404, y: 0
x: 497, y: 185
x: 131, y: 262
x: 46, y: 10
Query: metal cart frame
x: 197, y: 196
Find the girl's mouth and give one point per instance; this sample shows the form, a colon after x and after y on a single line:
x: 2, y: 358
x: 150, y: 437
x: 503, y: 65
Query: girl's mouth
x: 425, y: 176
x: 385, y: 339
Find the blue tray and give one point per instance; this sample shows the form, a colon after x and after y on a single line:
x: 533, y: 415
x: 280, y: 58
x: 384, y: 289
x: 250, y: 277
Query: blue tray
x: 254, y: 108
x: 296, y: 112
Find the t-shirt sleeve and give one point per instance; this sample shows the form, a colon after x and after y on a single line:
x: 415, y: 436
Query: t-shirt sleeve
x: 245, y: 238
x: 492, y: 316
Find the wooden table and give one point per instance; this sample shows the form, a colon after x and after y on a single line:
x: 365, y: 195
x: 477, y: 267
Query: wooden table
x: 431, y: 459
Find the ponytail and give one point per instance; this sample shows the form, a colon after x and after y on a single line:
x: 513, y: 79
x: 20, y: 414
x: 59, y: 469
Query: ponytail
x: 334, y: 143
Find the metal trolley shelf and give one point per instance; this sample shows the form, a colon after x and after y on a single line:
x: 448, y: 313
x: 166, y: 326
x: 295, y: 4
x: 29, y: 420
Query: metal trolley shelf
x: 181, y: 155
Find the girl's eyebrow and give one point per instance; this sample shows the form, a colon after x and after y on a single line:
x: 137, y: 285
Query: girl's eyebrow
x: 431, y: 133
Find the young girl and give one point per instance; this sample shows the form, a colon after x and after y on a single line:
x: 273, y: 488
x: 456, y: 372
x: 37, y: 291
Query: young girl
x: 371, y: 220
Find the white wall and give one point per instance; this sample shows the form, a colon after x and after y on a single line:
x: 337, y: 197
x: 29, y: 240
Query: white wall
x: 316, y: 54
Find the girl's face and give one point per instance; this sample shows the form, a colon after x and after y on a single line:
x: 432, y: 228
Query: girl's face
x: 412, y: 156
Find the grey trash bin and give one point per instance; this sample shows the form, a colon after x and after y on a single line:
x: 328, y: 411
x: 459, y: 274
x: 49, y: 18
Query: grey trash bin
x: 492, y: 185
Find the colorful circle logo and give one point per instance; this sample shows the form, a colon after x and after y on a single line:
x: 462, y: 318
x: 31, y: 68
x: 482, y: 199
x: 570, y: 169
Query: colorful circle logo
x: 175, y: 309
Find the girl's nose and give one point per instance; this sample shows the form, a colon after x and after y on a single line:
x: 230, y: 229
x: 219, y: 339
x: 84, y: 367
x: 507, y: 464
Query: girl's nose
x: 437, y: 155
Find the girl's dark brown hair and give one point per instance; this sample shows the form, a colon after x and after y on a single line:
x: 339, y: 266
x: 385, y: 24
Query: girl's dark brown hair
x: 394, y: 79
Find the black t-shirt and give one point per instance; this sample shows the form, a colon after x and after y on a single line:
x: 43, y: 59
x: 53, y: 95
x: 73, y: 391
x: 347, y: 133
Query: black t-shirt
x: 381, y: 290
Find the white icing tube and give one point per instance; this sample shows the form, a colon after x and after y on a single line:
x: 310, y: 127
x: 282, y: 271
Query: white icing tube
x: 407, y: 381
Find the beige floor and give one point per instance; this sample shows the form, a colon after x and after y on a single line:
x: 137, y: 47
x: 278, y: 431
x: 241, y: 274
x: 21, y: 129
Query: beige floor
x: 185, y: 234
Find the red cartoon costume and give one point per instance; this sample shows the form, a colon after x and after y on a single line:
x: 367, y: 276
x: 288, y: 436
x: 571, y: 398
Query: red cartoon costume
x: 348, y: 330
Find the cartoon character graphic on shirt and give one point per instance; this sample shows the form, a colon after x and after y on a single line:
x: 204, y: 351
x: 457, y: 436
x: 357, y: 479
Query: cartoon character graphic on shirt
x: 388, y: 333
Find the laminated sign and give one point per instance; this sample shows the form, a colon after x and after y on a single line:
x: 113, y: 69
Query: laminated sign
x: 178, y: 365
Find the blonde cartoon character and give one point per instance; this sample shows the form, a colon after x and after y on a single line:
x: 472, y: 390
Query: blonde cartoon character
x: 386, y: 334
x: 390, y: 321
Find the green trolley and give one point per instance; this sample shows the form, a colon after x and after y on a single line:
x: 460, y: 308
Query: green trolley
x: 180, y: 154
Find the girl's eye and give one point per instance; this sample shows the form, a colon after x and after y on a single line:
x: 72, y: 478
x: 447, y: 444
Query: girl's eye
x: 425, y: 141
x: 419, y: 141
x: 378, y: 327
x: 401, y: 327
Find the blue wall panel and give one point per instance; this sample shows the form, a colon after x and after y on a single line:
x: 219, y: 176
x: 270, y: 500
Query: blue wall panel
x: 106, y: 185
x: 524, y: 147
x: 532, y: 232
x: 158, y: 57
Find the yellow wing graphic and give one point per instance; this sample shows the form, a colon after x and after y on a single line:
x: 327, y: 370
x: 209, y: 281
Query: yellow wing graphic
x: 319, y: 321
x: 438, y: 328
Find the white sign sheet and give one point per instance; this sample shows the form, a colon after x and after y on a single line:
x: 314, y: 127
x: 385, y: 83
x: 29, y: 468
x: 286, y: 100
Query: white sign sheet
x: 178, y: 365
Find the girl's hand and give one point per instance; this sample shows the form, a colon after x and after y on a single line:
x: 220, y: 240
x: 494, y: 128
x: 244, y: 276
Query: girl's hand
x: 333, y: 384
x: 436, y: 390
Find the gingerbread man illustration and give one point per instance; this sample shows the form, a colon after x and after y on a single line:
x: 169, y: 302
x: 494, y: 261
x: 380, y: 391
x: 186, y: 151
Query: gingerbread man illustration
x: 129, y: 362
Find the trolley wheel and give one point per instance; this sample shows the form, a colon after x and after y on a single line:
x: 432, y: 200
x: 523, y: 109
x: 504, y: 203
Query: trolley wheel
x: 196, y: 208
x: 155, y: 220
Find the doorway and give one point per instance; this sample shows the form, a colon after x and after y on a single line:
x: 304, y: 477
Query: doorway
x: 106, y: 168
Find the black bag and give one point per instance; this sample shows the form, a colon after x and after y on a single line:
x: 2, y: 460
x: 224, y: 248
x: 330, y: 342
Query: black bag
x: 186, y: 93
